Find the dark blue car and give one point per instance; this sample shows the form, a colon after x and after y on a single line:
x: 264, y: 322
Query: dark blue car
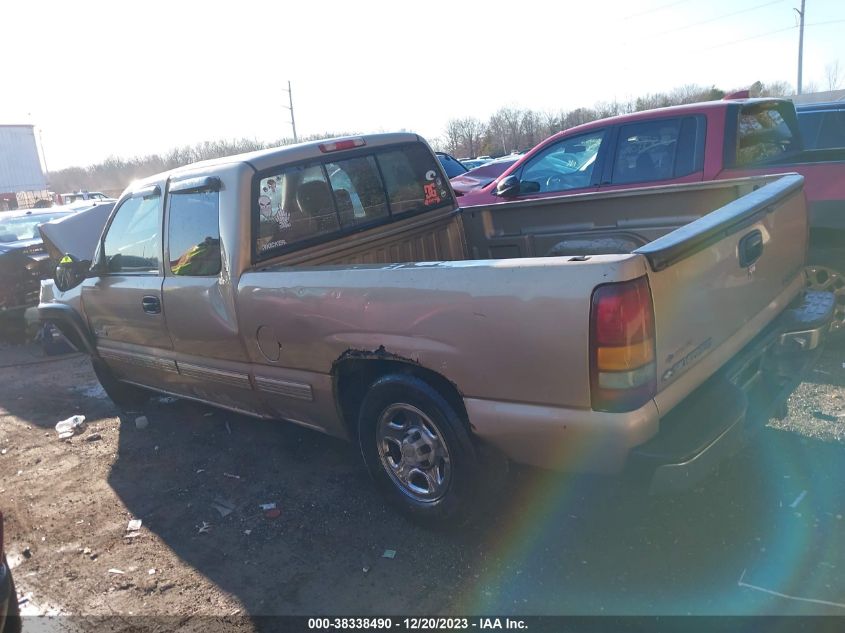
x: 822, y: 124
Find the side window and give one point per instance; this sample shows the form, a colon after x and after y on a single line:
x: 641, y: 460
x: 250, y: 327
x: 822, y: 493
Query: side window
x: 358, y: 190
x: 194, y: 233
x: 133, y: 242
x: 646, y: 151
x: 567, y: 164
x: 414, y: 179
x: 293, y: 206
x: 763, y: 134
x: 832, y: 130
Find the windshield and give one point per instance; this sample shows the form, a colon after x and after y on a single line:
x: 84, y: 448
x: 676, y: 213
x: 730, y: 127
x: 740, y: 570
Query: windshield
x: 23, y: 227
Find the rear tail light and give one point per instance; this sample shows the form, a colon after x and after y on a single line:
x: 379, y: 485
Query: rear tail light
x: 347, y: 143
x: 622, y: 365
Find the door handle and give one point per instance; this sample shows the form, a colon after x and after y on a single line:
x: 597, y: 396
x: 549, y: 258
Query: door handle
x: 750, y: 248
x: 151, y: 305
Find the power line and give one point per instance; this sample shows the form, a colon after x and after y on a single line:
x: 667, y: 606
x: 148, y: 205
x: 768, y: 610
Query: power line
x: 717, y: 18
x: 654, y: 10
x: 759, y: 35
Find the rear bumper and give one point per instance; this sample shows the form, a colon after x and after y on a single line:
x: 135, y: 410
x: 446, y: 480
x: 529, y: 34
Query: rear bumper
x: 717, y: 420
x: 679, y: 449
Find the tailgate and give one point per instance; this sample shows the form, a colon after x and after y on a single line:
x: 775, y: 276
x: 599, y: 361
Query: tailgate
x: 718, y: 280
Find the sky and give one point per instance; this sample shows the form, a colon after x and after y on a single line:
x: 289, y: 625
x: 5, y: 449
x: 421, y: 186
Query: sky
x: 132, y: 78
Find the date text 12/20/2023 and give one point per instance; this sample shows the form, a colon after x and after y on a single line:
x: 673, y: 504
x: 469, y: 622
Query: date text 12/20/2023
x: 416, y: 624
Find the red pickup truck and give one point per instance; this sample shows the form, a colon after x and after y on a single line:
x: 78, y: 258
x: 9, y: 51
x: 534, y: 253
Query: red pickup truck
x: 715, y: 140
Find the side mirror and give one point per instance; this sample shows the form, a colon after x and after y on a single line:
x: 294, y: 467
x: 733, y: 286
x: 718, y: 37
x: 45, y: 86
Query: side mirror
x: 70, y: 272
x: 508, y: 187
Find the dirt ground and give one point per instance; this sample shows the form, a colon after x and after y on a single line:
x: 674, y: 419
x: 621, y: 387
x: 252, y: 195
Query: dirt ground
x: 769, y: 522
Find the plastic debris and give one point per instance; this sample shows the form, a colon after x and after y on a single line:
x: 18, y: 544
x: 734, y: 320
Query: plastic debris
x: 71, y: 426
x: 365, y: 569
x: 228, y: 429
x: 201, y: 470
x: 208, y: 415
x: 134, y: 525
x: 824, y: 416
x: 274, y: 513
x: 247, y: 532
x: 116, y: 571
x: 389, y: 553
x: 94, y: 437
x: 231, y: 476
x: 151, y: 572
x: 141, y: 422
x: 224, y: 507
x: 267, y: 506
x: 798, y: 499
x: 3, y: 452
x: 205, y: 528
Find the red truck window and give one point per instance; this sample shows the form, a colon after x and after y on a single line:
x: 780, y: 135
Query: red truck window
x: 763, y: 133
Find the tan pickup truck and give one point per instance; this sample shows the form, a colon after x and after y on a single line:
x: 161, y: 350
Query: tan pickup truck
x: 337, y: 285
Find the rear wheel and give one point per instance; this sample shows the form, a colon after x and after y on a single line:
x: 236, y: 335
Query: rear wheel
x: 826, y: 271
x: 122, y: 394
x: 418, y: 450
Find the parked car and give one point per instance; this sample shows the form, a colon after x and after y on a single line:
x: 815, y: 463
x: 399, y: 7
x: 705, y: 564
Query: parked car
x: 822, y: 124
x: 23, y: 261
x: 691, y: 143
x: 77, y: 196
x: 451, y: 165
x: 482, y: 176
x: 10, y: 619
x: 472, y: 163
x: 337, y: 285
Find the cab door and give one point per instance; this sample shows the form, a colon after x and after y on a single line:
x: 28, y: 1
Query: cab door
x: 123, y: 303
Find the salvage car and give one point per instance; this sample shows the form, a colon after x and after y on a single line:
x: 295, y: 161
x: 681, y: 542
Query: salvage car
x: 483, y: 175
x: 337, y: 285
x: 10, y: 619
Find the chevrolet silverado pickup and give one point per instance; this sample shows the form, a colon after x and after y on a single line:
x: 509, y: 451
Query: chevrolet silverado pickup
x: 697, y: 142
x: 337, y: 285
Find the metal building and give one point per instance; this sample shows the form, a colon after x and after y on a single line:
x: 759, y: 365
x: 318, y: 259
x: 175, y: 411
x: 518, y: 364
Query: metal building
x: 21, y: 177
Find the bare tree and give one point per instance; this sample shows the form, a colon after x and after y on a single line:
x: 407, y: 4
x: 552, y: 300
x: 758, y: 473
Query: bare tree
x: 471, y: 134
x: 834, y: 75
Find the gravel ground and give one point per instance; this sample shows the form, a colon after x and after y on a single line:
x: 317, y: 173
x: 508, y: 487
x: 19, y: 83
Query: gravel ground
x: 769, y: 521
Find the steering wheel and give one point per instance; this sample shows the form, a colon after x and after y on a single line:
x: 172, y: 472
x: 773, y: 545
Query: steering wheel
x: 557, y: 182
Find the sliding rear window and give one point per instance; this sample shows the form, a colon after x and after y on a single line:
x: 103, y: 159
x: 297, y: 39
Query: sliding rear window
x: 765, y: 132
x: 299, y: 205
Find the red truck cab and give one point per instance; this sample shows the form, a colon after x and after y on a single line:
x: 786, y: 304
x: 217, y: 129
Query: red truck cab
x: 713, y: 140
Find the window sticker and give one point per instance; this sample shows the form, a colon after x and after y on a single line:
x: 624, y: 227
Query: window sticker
x: 432, y: 196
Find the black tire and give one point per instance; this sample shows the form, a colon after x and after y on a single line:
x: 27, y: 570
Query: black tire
x: 124, y: 395
x: 826, y: 271
x: 456, y: 501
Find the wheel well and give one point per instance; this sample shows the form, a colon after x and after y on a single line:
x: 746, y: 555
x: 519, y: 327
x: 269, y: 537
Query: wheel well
x: 353, y: 376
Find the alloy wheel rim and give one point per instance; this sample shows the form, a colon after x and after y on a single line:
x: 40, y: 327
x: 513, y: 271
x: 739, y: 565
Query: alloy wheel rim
x: 413, y: 452
x: 829, y: 280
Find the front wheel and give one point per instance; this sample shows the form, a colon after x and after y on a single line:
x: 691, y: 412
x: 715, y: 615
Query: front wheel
x: 417, y: 449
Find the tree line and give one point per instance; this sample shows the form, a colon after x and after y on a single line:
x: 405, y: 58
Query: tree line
x: 511, y: 129
x: 507, y: 130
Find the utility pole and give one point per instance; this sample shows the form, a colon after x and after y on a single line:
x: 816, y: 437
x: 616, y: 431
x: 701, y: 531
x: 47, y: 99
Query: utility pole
x: 292, y: 122
x: 800, y: 45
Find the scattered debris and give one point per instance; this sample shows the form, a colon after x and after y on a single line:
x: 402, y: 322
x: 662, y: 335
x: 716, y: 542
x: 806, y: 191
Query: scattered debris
x: 141, y: 422
x: 228, y: 429
x: 787, y: 596
x: 134, y: 525
x: 365, y: 569
x: 116, y: 571
x: 208, y: 415
x: 3, y: 451
x: 824, y: 416
x: 267, y: 506
x: 167, y: 399
x: 389, y: 553
x: 798, y: 499
x: 201, y: 470
x: 275, y: 513
x: 27, y: 553
x: 151, y: 572
x: 94, y: 437
x: 204, y: 528
x: 224, y: 507
x: 247, y: 532
x: 70, y: 427
x: 231, y: 476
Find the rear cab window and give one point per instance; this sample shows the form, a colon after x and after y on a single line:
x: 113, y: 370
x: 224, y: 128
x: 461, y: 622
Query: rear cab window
x: 299, y: 205
x: 765, y: 132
